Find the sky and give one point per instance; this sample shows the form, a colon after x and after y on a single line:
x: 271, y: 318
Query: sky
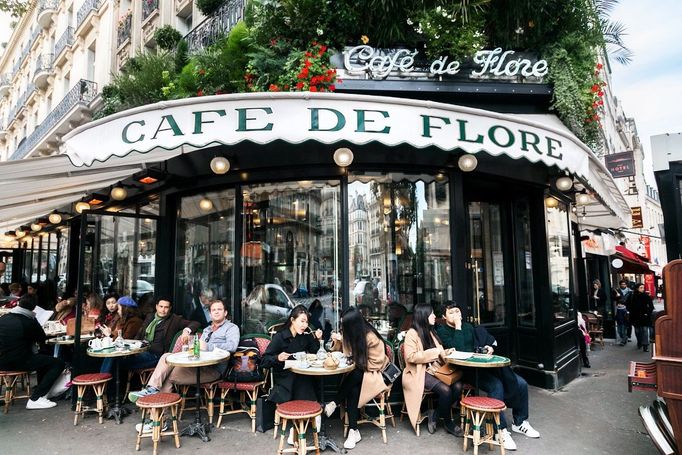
x: 650, y: 88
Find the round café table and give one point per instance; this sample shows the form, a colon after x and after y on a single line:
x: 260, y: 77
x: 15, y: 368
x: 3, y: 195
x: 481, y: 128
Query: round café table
x: 185, y: 360
x: 322, y: 372
x: 61, y: 340
x: 476, y: 361
x: 117, y: 411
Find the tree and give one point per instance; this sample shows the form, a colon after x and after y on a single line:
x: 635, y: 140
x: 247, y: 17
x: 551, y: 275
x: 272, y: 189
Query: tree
x: 15, y: 7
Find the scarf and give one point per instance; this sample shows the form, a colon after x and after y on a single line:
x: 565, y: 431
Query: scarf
x: 23, y: 311
x: 151, y: 328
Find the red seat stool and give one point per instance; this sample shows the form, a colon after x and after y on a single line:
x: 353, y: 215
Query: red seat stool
x: 9, y: 381
x: 250, y: 389
x: 481, y: 411
x: 98, y: 382
x: 301, y: 413
x: 155, y: 406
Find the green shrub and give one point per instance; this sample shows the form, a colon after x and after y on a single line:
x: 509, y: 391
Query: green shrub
x: 167, y: 37
x: 208, y: 7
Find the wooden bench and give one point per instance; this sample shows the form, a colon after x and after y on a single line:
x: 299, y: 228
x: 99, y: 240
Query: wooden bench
x: 642, y: 376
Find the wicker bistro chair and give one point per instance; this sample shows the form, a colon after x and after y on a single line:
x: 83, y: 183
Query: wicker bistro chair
x: 98, y: 382
x: 426, y: 396
x: 246, y: 389
x: 209, y: 389
x: 155, y: 406
x: 143, y: 374
x: 301, y: 413
x: 9, y: 380
x: 381, y: 403
x: 481, y: 411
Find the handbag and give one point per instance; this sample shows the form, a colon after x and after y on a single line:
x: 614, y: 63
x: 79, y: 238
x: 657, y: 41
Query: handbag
x: 390, y: 373
x: 265, y: 414
x: 61, y: 384
x: 448, y: 374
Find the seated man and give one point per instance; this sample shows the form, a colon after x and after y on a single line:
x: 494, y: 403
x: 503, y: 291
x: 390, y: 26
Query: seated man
x: 19, y: 333
x: 500, y: 383
x: 158, y: 329
x: 221, y: 333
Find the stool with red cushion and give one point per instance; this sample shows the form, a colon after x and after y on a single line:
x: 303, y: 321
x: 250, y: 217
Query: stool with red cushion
x: 98, y: 382
x: 301, y: 413
x: 9, y: 381
x: 155, y: 407
x: 481, y: 411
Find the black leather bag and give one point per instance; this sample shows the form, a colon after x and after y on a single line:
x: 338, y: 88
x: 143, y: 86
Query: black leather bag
x: 390, y: 373
x: 265, y: 414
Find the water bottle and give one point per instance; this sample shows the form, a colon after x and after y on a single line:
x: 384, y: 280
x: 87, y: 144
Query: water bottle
x: 197, y: 345
x: 119, y: 343
x: 321, y: 353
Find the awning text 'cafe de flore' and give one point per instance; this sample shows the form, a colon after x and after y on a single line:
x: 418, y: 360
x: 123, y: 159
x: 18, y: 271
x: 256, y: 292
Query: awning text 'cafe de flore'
x: 412, y: 183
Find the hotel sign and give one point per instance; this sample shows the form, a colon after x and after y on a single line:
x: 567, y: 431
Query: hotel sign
x: 620, y: 164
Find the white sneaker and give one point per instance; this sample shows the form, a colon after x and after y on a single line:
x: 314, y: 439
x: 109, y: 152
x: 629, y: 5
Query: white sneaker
x: 352, y: 439
x: 290, y: 439
x: 318, y: 423
x: 329, y: 408
x: 148, y: 427
x: 40, y: 403
x: 507, y: 440
x: 526, y: 429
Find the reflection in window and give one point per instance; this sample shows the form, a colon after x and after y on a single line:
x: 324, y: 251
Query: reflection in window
x: 290, y: 253
x: 204, y: 258
x: 399, y: 245
x: 487, y: 263
x: 63, y: 260
x: 559, y: 252
x: 524, y: 264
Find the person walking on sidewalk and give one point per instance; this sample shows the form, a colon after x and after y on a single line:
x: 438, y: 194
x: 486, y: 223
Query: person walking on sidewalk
x: 19, y: 333
x: 641, y: 307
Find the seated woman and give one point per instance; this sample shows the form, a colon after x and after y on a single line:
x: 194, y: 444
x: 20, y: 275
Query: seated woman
x: 93, y: 305
x: 128, y: 322
x: 65, y: 310
x: 424, y: 353
x: 365, y: 345
x: 108, y: 317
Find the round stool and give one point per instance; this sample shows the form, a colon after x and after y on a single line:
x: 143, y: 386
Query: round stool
x: 156, y: 406
x: 9, y: 381
x: 301, y: 413
x: 98, y: 382
x: 479, y: 411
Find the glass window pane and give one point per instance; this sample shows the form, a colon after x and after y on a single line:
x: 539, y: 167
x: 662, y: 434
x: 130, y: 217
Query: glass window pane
x: 290, y: 253
x: 524, y: 265
x: 204, y: 257
x: 63, y: 261
x: 559, y: 252
x: 487, y: 263
x: 399, y: 245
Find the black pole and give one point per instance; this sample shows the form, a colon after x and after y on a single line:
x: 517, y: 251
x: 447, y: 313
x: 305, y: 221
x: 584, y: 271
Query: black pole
x: 79, y: 300
x: 345, y: 266
x: 40, y: 258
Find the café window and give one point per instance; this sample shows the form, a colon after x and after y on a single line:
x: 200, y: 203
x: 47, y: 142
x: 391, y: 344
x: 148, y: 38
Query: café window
x: 290, y: 253
x: 399, y: 245
x: 205, y: 251
x: 559, y: 255
x: 526, y: 310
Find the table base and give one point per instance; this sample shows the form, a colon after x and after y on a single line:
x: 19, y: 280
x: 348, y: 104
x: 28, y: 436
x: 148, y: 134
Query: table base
x: 327, y: 442
x: 197, y: 429
x: 117, y: 413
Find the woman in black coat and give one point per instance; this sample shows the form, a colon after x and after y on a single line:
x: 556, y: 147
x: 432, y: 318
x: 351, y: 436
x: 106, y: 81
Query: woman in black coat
x: 641, y: 307
x: 598, y: 297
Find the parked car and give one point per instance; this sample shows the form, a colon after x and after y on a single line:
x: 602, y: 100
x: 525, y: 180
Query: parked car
x: 363, y: 293
x: 268, y: 302
x: 142, y: 287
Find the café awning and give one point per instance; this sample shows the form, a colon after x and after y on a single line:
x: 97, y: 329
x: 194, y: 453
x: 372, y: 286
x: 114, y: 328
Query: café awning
x: 632, y: 262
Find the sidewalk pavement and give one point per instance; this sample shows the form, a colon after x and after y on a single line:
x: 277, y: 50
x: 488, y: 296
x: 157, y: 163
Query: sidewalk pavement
x: 593, y: 414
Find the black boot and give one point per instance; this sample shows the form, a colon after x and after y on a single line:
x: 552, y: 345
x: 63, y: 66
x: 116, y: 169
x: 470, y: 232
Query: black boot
x: 431, y: 420
x: 453, y: 428
x: 646, y: 348
x: 586, y: 363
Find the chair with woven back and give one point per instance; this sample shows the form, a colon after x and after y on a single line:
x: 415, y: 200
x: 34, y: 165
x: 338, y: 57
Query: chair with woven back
x: 380, y: 402
x: 246, y: 389
x: 143, y: 374
x: 426, y: 396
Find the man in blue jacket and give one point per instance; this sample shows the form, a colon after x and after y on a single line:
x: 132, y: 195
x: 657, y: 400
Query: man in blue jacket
x: 500, y: 383
x: 19, y: 334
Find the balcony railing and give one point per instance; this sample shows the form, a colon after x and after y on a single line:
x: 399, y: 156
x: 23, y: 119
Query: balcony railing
x: 65, y: 40
x: 124, y: 28
x: 21, y: 103
x: 44, y: 63
x: 47, y: 5
x: 81, y: 94
x: 215, y: 26
x: 148, y: 7
x: 88, y: 6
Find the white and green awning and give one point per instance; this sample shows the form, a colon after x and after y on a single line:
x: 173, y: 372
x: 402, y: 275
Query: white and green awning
x: 163, y: 130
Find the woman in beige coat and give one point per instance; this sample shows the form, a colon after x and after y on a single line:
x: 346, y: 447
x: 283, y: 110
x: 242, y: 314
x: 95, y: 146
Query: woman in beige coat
x: 424, y: 351
x: 363, y: 343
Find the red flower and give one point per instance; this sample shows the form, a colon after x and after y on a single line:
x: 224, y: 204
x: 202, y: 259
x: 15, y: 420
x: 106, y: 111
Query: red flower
x: 307, y: 63
x: 218, y: 92
x: 600, y: 102
x: 300, y: 85
x: 600, y: 93
x: 200, y: 92
x: 313, y: 88
x: 308, y: 54
x: 599, y: 66
x: 595, y: 88
x: 274, y: 88
x: 332, y: 88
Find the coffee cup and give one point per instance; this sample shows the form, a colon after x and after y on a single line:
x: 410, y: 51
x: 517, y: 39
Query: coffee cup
x: 136, y: 344
x: 107, y: 342
x: 95, y: 344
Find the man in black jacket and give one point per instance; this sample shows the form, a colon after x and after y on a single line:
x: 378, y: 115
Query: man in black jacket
x: 19, y: 332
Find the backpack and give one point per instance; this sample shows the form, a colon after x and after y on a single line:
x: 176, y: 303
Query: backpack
x: 245, y: 363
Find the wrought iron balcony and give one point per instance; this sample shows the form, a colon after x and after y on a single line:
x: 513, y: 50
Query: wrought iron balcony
x: 148, y: 7
x: 5, y: 85
x: 87, y: 7
x: 46, y: 8
x: 215, y: 26
x: 43, y: 70
x: 124, y: 28
x: 66, y: 40
x: 20, y: 104
x: 80, y: 95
